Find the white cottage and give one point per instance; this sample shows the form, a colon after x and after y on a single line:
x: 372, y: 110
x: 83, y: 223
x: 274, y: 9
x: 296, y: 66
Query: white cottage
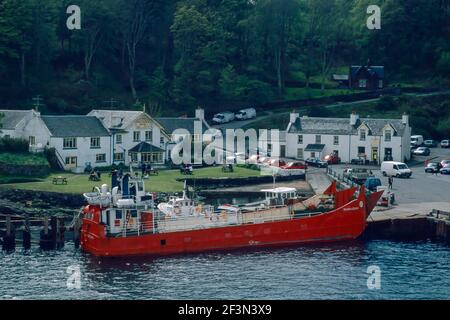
x: 374, y: 140
x: 135, y: 136
x: 14, y: 123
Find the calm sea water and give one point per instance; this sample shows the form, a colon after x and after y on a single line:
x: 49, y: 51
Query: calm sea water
x: 408, y: 271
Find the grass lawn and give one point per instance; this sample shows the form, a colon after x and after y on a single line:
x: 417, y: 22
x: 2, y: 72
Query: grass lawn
x: 164, y: 182
x: 23, y: 158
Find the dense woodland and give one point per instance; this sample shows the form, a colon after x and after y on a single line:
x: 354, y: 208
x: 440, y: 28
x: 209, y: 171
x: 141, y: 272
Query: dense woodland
x: 176, y: 55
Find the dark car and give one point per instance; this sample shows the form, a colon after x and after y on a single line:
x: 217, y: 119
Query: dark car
x: 432, y: 167
x: 430, y: 143
x: 372, y: 184
x: 314, y: 162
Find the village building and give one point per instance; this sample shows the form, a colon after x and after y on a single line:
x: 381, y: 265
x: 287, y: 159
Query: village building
x: 135, y: 136
x: 14, y: 123
x: 353, y: 138
x: 367, y: 77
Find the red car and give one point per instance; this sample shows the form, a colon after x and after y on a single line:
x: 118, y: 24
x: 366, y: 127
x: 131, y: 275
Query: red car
x: 277, y: 163
x: 295, y: 165
x: 332, y: 159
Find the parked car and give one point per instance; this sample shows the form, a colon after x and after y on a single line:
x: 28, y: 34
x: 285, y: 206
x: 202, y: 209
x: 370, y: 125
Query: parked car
x: 357, y: 175
x: 246, y: 114
x: 332, y: 158
x: 277, y: 163
x: 416, y: 141
x: 444, y: 163
x: 295, y: 165
x: 395, y: 169
x: 445, y: 143
x: 432, y: 167
x: 430, y: 143
x: 223, y: 117
x: 422, y: 151
x: 372, y: 183
x: 315, y: 162
x: 445, y: 169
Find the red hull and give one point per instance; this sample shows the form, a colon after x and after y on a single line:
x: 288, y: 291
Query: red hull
x: 345, y: 223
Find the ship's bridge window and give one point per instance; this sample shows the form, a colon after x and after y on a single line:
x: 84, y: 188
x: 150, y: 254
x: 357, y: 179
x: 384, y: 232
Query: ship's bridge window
x: 134, y: 213
x: 118, y: 214
x: 140, y: 186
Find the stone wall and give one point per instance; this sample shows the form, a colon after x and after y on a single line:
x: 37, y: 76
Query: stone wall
x: 24, y: 170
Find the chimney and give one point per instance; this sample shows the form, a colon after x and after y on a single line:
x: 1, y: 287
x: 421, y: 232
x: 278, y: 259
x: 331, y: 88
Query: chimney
x: 294, y: 116
x: 200, y: 113
x: 353, y: 118
x: 405, y: 119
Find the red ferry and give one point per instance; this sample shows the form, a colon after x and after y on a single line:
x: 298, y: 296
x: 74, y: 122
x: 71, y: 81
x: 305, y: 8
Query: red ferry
x: 125, y: 222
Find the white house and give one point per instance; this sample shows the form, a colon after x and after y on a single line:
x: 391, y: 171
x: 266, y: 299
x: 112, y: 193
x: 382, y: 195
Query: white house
x: 369, y: 139
x: 135, y: 136
x: 14, y: 123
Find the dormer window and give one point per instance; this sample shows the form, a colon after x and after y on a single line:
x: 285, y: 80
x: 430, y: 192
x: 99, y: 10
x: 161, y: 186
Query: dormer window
x: 388, y: 135
x: 362, y: 135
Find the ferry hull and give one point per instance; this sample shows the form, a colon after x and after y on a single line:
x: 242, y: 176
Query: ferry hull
x: 342, y: 224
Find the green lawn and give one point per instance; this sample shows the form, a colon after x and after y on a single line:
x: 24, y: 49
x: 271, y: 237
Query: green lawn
x: 164, y: 182
x: 23, y: 159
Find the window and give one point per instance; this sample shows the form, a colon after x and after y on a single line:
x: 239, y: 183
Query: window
x: 32, y: 140
x: 161, y: 140
x: 71, y: 160
x: 149, y: 136
x: 134, y: 157
x: 362, y: 83
x: 146, y: 157
x: 388, y: 135
x: 300, y: 153
x: 136, y: 136
x: 380, y: 84
x: 362, y: 135
x: 157, y: 157
x: 101, y: 157
x: 336, y: 140
x: 361, y: 151
x: 119, y: 214
x: 318, y: 139
x: 118, y: 156
x: 95, y: 143
x: 119, y: 139
x: 70, y: 143
x: 300, y: 139
x: 313, y: 154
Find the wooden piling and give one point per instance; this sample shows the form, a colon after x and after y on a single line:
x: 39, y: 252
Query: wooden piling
x: 60, y: 229
x: 47, y: 238
x: 26, y: 235
x: 9, y: 239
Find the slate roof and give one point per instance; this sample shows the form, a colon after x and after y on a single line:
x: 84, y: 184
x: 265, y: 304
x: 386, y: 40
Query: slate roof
x: 115, y: 119
x: 75, y: 126
x: 341, y: 126
x: 373, y: 70
x: 145, y: 147
x: 171, y: 124
x: 315, y: 147
x: 12, y: 118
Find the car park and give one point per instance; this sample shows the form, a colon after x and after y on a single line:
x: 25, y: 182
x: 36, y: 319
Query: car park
x: 315, y: 162
x: 445, y: 169
x: 432, y: 167
x: 445, y: 143
x: 430, y: 143
x: 422, y: 151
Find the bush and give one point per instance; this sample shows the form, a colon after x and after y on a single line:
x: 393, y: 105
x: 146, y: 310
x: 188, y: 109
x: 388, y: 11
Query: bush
x: 13, y: 145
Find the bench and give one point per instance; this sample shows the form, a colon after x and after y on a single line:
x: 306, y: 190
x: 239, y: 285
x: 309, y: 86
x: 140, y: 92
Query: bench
x: 59, y: 180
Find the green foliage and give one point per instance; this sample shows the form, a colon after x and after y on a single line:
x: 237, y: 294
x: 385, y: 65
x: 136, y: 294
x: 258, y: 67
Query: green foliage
x: 23, y: 159
x: 13, y: 145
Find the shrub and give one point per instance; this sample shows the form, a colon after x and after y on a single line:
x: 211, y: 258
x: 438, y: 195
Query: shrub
x: 13, y: 145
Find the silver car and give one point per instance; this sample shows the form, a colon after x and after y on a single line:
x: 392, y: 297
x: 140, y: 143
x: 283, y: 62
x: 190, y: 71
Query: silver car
x: 445, y: 169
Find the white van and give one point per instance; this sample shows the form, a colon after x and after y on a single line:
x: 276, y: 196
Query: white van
x: 416, y: 141
x: 246, y: 114
x: 395, y: 169
x: 223, y: 117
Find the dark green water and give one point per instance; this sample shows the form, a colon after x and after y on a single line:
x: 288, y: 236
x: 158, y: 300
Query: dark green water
x: 408, y: 271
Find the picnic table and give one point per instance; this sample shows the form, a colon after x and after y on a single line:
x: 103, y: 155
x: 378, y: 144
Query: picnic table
x: 59, y: 180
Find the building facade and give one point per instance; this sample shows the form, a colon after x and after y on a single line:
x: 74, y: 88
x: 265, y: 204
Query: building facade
x: 354, y: 138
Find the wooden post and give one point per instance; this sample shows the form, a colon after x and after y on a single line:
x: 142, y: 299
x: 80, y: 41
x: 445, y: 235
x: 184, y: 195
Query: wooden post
x: 47, y: 241
x: 76, y: 231
x: 60, y: 232
x: 9, y: 240
x: 26, y: 235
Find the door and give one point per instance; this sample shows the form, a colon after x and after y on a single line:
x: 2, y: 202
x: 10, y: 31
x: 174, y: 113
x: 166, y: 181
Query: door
x: 375, y: 155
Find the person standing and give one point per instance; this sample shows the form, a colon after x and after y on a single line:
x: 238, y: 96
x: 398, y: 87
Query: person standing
x: 390, y: 182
